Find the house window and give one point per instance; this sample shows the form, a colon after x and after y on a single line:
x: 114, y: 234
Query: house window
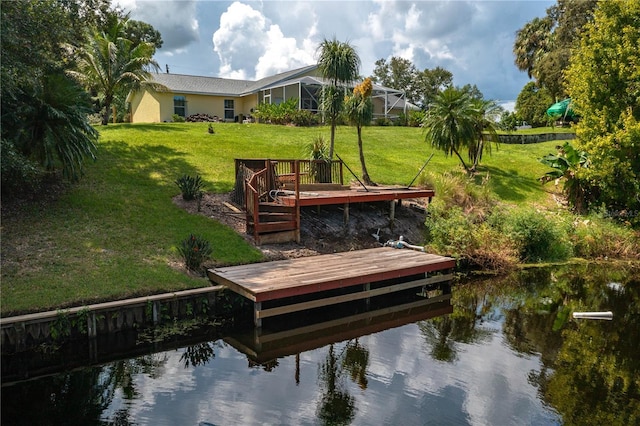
x: 228, y: 109
x: 180, y: 106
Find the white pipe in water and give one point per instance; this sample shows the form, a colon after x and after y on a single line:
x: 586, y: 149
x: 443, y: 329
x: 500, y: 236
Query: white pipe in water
x: 608, y: 315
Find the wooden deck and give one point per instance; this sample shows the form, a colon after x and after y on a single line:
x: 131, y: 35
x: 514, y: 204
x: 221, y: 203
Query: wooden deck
x: 312, y: 197
x: 269, y: 281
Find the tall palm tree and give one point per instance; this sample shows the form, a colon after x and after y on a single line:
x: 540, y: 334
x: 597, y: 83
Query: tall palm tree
x: 487, y: 114
x: 359, y: 111
x: 532, y: 43
x: 110, y: 63
x: 450, y: 122
x: 338, y: 63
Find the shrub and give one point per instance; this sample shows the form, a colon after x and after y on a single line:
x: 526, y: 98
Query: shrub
x: 195, y: 250
x: 416, y: 118
x: 601, y: 238
x: 538, y: 237
x: 177, y: 118
x: 19, y: 175
x: 190, y: 186
x: 452, y: 232
x: 305, y: 118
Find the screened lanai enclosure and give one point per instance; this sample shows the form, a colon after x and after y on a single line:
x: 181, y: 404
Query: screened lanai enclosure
x: 387, y: 103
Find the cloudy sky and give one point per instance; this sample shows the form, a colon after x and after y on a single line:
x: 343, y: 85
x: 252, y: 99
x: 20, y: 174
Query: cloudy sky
x: 254, y: 39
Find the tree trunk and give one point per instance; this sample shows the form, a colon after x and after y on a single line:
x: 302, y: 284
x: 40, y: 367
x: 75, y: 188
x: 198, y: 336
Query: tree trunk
x: 333, y: 137
x: 365, y: 173
x: 466, y: 169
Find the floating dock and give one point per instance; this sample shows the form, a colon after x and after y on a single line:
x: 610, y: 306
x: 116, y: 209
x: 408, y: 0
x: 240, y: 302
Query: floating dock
x: 295, y: 285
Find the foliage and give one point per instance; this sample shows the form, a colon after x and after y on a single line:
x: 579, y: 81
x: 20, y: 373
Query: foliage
x: 281, y: 113
x: 19, y: 175
x: 176, y: 118
x: 604, y: 77
x: 54, y: 130
x: 318, y: 151
x: 449, y: 123
x: 543, y: 46
x: 566, y: 165
x: 195, y: 250
x: 538, y: 236
x: 532, y: 104
x: 486, y: 114
x: 597, y: 237
x: 109, y: 64
x: 43, y: 114
x: 420, y: 87
x: 190, y: 186
x: 416, y: 118
x: 359, y: 112
x: 508, y: 121
x: 338, y: 63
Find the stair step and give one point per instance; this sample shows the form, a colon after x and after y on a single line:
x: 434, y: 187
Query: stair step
x: 275, y: 226
x: 274, y: 207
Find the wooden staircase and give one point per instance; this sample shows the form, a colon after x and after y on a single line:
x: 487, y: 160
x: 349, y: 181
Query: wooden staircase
x: 276, y: 223
x: 269, y: 222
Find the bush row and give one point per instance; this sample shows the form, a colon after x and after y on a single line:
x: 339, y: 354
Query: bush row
x: 465, y: 222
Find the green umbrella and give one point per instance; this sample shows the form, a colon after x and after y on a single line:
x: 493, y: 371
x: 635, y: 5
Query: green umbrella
x: 561, y: 109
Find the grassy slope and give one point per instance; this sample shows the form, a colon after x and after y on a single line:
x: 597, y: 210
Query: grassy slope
x: 115, y: 234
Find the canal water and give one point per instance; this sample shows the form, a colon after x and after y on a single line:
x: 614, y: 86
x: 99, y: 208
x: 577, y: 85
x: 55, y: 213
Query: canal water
x: 502, y: 351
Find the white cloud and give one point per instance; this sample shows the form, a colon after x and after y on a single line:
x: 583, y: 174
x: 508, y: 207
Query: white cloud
x: 250, y: 47
x: 251, y: 39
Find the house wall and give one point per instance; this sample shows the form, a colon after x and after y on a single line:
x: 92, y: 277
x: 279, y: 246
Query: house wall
x: 155, y: 107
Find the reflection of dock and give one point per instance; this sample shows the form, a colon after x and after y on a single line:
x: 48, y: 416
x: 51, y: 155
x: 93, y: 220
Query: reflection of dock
x: 294, y: 285
x: 261, y: 346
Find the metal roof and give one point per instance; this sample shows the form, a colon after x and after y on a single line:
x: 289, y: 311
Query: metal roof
x: 181, y: 83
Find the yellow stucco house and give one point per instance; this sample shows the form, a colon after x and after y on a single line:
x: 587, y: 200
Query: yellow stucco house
x: 233, y: 100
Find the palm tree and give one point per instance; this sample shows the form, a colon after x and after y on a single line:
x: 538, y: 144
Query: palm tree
x: 359, y: 111
x: 109, y: 64
x: 532, y: 43
x: 54, y: 130
x: 487, y: 114
x: 450, y: 122
x: 339, y: 63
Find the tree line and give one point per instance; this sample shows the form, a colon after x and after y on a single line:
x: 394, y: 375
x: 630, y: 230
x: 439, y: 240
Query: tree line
x: 62, y: 61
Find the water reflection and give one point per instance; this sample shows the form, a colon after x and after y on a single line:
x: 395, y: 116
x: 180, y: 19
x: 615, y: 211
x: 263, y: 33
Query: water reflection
x: 508, y: 352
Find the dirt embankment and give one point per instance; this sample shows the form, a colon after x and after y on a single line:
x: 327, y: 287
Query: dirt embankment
x: 323, y: 229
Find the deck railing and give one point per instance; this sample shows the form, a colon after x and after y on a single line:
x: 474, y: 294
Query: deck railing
x: 279, y: 172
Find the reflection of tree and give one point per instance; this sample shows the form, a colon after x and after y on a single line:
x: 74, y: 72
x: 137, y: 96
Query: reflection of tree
x: 78, y: 397
x: 337, y: 407
x: 591, y: 369
x: 199, y: 354
x: 462, y: 326
x: 597, y: 372
x: 356, y: 361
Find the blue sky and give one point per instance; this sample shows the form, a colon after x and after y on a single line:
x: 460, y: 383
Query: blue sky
x: 253, y: 39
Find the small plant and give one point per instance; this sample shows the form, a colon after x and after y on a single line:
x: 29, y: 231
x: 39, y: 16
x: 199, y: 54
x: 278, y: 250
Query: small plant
x: 318, y: 152
x: 195, y: 250
x: 177, y: 118
x: 210, y: 129
x: 190, y: 186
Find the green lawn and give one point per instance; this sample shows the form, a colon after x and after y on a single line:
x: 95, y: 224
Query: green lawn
x: 114, y: 235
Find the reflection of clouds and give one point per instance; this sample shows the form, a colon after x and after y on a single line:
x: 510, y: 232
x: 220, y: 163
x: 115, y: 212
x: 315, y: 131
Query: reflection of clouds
x: 487, y: 384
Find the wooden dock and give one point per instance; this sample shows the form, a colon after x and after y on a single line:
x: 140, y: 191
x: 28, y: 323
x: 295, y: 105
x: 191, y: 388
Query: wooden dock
x: 312, y: 282
x: 264, y: 346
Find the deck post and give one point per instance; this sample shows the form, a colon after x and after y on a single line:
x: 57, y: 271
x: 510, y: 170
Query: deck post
x: 367, y: 301
x: 257, y: 307
x: 296, y: 169
x: 346, y: 213
x: 392, y: 210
